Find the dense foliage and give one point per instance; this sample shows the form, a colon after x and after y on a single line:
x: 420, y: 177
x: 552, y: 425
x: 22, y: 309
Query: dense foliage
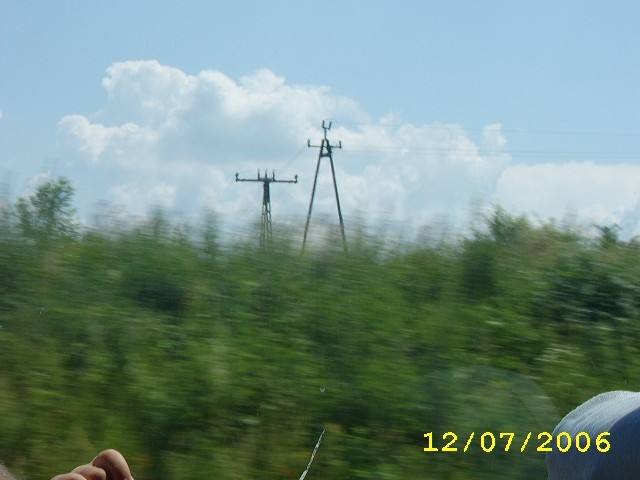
x: 202, y: 359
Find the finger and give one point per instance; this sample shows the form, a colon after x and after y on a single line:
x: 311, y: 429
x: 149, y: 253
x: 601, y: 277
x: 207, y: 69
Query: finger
x: 69, y: 476
x: 112, y: 462
x: 89, y: 472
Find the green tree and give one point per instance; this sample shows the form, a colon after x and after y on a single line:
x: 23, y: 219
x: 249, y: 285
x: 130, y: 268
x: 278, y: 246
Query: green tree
x: 609, y: 235
x: 505, y: 228
x: 478, y: 262
x: 48, y: 213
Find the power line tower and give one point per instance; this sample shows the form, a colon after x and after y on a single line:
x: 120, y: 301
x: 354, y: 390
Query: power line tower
x: 266, y: 233
x: 326, y: 150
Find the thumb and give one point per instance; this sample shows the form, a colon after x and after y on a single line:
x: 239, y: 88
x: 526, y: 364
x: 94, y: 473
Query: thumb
x: 112, y: 462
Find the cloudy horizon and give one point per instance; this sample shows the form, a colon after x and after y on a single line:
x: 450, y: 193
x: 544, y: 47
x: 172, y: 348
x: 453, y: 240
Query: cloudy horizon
x: 169, y: 139
x: 167, y: 127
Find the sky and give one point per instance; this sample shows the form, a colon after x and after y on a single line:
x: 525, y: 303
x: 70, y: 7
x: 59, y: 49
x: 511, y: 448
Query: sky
x: 443, y: 108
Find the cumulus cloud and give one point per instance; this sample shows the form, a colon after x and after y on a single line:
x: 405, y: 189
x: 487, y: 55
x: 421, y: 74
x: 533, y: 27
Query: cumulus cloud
x: 163, y: 130
x: 165, y: 137
x: 602, y: 194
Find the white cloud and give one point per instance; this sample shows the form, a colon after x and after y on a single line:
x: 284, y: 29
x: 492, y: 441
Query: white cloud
x: 493, y: 137
x: 168, y: 138
x: 161, y: 194
x: 603, y: 194
x: 37, y: 181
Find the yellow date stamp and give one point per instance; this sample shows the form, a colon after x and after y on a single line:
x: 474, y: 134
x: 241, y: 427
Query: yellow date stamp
x: 504, y: 441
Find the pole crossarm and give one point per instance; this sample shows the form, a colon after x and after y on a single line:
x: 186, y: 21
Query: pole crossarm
x: 325, y: 146
x: 266, y: 178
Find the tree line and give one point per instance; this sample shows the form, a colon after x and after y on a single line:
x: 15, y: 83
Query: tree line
x: 200, y: 359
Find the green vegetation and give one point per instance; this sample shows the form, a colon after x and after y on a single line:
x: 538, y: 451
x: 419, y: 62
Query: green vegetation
x: 200, y: 360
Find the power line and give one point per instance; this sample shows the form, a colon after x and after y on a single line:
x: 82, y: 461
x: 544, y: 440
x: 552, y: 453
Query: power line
x: 286, y: 164
x: 451, y: 126
x: 411, y: 151
x: 582, y: 152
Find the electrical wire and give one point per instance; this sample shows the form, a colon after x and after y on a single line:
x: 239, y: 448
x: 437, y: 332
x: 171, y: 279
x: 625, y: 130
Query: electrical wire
x: 524, y: 131
x: 406, y: 150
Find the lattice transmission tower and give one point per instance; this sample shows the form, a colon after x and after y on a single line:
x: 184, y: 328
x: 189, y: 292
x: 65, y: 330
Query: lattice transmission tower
x: 266, y: 231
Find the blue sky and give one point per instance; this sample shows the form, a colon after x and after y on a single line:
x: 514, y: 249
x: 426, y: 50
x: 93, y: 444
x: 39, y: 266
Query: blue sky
x: 441, y: 105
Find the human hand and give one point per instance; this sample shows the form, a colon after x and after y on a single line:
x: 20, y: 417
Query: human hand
x: 108, y: 465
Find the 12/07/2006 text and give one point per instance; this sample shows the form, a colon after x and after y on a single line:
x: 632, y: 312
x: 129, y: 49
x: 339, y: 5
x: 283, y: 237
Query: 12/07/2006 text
x: 488, y: 442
